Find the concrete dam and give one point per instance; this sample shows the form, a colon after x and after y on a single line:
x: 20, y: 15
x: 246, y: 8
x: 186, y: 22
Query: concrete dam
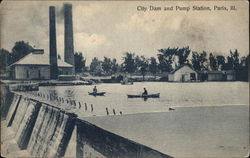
x: 44, y: 130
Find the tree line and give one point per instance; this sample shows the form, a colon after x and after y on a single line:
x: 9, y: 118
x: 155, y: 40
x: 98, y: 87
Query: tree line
x: 170, y: 58
x: 166, y: 60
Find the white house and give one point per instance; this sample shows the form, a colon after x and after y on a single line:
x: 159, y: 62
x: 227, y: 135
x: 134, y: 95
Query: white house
x: 183, y: 73
x: 36, y: 66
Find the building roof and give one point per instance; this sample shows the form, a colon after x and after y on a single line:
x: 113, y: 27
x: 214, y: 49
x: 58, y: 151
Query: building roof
x: 229, y: 71
x: 39, y: 59
x: 214, y: 72
x: 179, y: 67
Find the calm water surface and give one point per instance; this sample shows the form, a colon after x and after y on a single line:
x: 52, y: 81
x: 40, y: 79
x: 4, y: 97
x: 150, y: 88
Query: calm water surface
x: 171, y: 95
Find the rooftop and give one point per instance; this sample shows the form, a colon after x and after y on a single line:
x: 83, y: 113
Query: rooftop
x: 179, y: 67
x: 39, y: 58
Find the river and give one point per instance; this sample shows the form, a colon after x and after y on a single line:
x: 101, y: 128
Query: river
x: 171, y: 95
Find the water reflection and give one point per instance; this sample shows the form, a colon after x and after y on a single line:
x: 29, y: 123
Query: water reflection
x: 53, y: 94
x: 69, y: 93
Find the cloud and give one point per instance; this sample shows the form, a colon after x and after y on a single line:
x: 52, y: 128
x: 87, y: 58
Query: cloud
x: 90, y: 41
x: 83, y: 42
x: 83, y: 14
x: 149, y: 23
x: 109, y: 29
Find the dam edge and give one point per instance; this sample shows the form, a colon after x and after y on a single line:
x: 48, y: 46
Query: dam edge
x: 31, y: 118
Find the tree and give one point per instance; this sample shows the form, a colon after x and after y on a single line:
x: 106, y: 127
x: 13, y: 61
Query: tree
x: 183, y: 54
x: 243, y: 73
x: 96, y: 67
x: 229, y: 63
x: 153, y: 66
x: 79, y: 62
x: 129, y: 62
x: 198, y: 61
x: 142, y: 63
x: 236, y: 61
x: 213, y: 62
x: 20, y: 50
x: 114, y: 66
x: 233, y: 61
x: 137, y: 63
x: 221, y: 62
x: 4, y: 59
x: 165, y: 57
x: 107, y: 65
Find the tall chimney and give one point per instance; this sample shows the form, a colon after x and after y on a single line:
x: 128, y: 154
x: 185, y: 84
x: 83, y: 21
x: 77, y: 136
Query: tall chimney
x: 52, y: 44
x: 68, y: 36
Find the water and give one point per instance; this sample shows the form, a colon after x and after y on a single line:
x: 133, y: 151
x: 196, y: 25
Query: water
x: 171, y: 95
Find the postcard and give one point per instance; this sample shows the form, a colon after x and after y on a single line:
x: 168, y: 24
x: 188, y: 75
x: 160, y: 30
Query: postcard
x: 124, y: 79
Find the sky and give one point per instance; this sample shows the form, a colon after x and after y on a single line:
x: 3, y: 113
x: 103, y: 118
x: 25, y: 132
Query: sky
x: 111, y: 28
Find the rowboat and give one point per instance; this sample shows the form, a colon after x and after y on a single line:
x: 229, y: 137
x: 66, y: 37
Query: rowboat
x: 127, y: 83
x: 97, y: 93
x: 157, y: 95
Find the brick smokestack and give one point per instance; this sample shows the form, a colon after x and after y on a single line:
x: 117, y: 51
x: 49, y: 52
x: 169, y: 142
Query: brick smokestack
x: 68, y: 36
x: 52, y: 44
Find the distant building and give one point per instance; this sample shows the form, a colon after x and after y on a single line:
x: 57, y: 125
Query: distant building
x: 215, y: 76
x: 230, y: 75
x: 36, y: 66
x: 183, y: 73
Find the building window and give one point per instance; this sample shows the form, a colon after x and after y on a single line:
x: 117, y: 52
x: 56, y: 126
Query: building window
x: 27, y: 73
x: 192, y: 76
x: 39, y: 73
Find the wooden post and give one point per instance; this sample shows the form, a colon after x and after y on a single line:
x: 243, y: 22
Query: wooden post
x: 107, y: 111
x: 86, y: 108
x: 80, y: 105
x: 92, y: 108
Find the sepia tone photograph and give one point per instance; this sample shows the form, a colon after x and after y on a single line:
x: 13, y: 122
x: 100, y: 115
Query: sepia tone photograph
x: 124, y: 79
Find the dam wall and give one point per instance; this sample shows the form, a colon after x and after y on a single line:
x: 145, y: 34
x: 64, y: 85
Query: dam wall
x: 44, y: 130
x: 6, y: 99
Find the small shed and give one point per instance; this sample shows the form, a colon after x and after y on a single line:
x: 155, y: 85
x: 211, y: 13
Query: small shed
x: 230, y: 75
x: 215, y: 76
x: 183, y: 73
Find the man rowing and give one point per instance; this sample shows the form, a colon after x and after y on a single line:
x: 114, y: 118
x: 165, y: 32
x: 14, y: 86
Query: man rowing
x: 145, y: 92
x: 95, y: 90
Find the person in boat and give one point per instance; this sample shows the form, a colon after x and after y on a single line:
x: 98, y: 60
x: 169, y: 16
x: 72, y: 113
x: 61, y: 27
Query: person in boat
x: 95, y: 90
x: 145, y: 92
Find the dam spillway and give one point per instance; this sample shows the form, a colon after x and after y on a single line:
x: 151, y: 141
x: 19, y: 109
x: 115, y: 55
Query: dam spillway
x: 44, y: 127
x: 43, y: 130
